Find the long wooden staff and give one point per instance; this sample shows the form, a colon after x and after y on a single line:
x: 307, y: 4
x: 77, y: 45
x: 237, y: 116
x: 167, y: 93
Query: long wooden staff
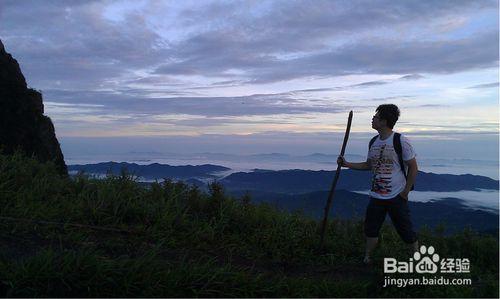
x: 334, y: 183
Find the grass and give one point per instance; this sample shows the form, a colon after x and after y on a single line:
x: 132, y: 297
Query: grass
x: 177, y: 241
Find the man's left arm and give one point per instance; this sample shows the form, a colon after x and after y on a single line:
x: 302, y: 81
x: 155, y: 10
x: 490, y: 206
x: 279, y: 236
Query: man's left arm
x: 412, y: 176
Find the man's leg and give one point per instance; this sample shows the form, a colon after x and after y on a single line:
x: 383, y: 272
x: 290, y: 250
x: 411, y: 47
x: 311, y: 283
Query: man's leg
x: 374, y: 218
x: 400, y: 216
x: 371, y: 243
x: 414, y: 247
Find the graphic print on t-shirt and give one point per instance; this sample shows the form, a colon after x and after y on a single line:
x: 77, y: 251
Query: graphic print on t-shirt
x: 382, y: 170
x: 388, y: 178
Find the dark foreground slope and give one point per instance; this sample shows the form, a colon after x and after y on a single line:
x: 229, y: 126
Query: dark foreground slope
x: 114, y: 238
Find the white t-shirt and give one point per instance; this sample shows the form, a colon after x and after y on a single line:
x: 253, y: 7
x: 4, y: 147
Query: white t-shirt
x: 388, y: 179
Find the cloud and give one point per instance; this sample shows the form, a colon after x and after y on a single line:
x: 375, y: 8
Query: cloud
x: 412, y: 77
x: 486, y: 127
x: 212, y: 62
x: 380, y: 57
x: 73, y: 43
x: 486, y: 85
x: 369, y: 83
x: 385, y: 99
x: 285, y: 26
x: 347, y: 87
x: 330, y: 39
x: 431, y: 106
x: 76, y: 43
x: 137, y: 103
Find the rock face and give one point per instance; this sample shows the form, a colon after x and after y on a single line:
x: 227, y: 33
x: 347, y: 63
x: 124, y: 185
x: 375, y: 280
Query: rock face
x: 22, y: 123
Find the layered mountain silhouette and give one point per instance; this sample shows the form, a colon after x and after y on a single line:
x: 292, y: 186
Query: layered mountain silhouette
x: 152, y: 171
x: 298, y: 181
x: 294, y: 181
x: 23, y: 126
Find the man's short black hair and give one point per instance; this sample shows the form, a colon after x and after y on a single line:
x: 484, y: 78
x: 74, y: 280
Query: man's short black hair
x: 390, y: 113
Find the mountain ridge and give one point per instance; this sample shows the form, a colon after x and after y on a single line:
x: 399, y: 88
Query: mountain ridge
x: 153, y: 170
x: 292, y: 181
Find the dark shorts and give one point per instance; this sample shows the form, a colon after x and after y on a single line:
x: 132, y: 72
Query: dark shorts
x: 397, y: 208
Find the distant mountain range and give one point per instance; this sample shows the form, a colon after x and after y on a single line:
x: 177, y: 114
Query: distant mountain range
x: 294, y: 181
x: 271, y: 157
x: 153, y: 171
x: 303, y: 181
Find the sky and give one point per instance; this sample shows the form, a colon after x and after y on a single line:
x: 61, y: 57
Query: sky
x: 260, y: 76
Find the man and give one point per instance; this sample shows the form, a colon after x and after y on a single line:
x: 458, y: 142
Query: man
x: 390, y: 185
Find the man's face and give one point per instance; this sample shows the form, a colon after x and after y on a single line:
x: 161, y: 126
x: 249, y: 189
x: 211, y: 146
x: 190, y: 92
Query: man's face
x: 378, y: 123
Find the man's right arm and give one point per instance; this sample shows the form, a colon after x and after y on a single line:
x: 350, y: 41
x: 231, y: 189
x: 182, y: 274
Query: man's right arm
x: 357, y: 166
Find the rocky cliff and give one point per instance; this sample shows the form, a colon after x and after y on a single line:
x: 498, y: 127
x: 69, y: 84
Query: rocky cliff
x: 23, y: 126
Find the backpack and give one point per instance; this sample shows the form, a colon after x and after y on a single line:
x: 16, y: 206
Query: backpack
x: 399, y: 151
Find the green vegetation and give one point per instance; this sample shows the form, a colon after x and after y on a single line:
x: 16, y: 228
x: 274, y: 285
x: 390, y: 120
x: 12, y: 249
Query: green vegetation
x: 176, y: 241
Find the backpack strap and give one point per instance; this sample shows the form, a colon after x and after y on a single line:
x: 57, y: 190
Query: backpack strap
x: 399, y: 151
x: 371, y: 142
